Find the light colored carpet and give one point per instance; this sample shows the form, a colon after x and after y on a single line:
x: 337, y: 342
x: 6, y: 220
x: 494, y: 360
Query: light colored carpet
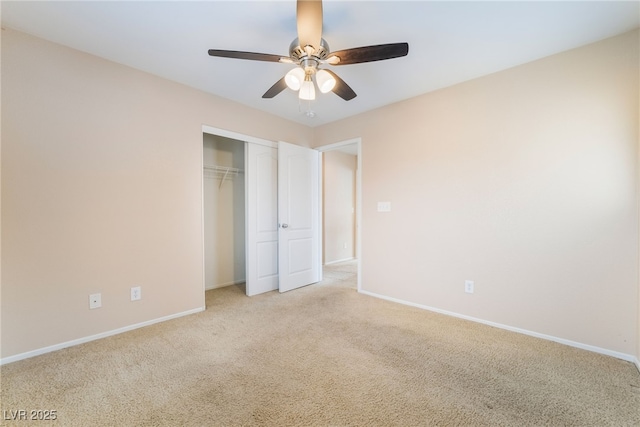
x: 322, y: 355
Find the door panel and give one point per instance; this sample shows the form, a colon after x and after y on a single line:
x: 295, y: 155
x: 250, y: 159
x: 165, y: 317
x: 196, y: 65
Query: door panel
x: 300, y: 255
x: 298, y: 211
x: 261, y: 174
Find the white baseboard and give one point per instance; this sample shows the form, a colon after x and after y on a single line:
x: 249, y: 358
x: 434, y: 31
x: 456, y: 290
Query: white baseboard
x: 616, y: 354
x: 340, y: 260
x: 83, y: 340
x: 223, y: 285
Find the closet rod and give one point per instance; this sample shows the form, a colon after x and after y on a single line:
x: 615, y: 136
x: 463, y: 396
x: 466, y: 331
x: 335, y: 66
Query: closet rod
x: 222, y: 172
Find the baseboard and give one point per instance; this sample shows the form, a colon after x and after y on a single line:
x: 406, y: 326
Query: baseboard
x: 340, y: 260
x: 223, y: 285
x: 78, y: 341
x: 616, y: 354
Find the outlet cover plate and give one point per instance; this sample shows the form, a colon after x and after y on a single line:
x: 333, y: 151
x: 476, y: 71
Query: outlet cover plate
x: 136, y: 293
x: 468, y: 286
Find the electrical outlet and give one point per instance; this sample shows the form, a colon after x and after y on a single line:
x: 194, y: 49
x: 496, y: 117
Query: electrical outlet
x: 468, y: 286
x: 136, y: 293
x: 344, y: 245
x: 95, y: 301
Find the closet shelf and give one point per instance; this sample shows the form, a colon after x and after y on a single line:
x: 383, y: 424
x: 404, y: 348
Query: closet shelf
x: 221, y: 172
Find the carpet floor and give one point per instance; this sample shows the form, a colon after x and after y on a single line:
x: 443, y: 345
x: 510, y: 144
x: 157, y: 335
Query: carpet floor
x: 321, y: 355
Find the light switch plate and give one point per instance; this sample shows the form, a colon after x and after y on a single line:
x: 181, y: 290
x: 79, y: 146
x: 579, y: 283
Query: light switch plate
x: 95, y: 301
x: 384, y: 206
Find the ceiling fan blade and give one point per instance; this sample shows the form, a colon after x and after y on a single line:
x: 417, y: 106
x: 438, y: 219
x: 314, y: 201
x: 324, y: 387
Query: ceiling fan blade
x: 278, y: 87
x: 342, y: 89
x: 309, y: 21
x: 245, y: 55
x: 379, y: 52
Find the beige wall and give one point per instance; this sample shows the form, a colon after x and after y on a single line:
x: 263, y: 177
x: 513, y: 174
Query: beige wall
x: 339, y: 202
x: 524, y: 181
x: 101, y: 191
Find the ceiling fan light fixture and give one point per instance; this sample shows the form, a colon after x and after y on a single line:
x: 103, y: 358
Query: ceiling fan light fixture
x: 309, y: 51
x: 294, y: 78
x: 325, y: 81
x: 307, y: 90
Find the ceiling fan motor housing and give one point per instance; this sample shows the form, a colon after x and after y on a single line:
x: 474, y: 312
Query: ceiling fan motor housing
x: 298, y: 53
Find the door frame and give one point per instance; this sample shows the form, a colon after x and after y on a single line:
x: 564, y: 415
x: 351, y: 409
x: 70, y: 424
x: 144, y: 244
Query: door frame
x: 335, y: 146
x: 241, y: 138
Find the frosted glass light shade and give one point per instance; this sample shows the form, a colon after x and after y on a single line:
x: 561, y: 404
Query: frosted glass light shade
x: 325, y: 81
x: 294, y: 78
x: 307, y: 91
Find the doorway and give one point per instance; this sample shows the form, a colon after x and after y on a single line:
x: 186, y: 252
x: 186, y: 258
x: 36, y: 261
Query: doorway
x: 223, y: 211
x: 233, y: 214
x: 341, y: 207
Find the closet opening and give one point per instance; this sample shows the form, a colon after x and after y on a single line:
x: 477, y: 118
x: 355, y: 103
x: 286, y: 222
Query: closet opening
x: 261, y: 213
x: 223, y: 212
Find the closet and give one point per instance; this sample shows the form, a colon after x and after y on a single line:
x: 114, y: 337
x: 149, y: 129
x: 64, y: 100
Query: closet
x: 261, y: 223
x: 224, y: 211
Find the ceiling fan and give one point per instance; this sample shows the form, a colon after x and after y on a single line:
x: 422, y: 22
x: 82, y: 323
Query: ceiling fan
x: 310, y: 52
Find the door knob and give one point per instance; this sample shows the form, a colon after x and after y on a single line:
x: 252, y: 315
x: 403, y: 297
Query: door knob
x: 285, y: 225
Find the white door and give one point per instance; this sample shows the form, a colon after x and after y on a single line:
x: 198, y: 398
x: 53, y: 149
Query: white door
x: 298, y: 212
x: 261, y: 175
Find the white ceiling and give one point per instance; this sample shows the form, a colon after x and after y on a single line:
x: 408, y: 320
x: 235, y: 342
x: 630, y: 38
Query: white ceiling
x: 449, y: 42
